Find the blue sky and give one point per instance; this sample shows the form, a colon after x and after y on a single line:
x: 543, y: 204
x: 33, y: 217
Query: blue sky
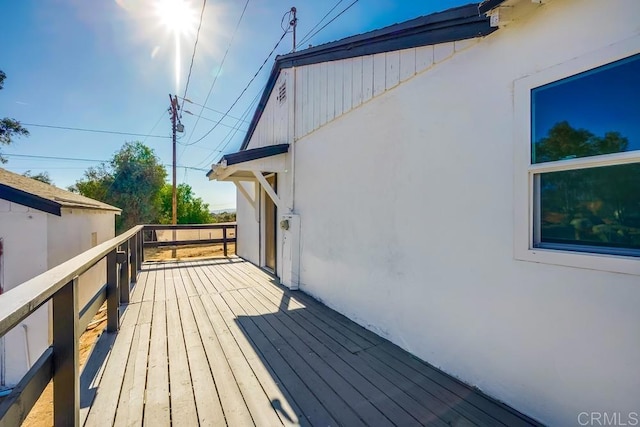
x: 111, y: 65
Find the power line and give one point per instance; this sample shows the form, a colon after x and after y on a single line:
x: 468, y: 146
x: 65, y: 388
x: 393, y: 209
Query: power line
x: 245, y: 88
x: 304, y: 38
x: 79, y: 159
x: 230, y: 135
x: 332, y: 19
x: 193, y: 56
x: 215, y: 79
x: 212, y: 109
x: 95, y: 130
x: 215, y: 121
x: 29, y: 156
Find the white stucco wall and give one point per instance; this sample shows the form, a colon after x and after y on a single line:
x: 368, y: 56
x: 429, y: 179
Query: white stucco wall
x: 24, y: 236
x: 70, y: 234
x: 33, y: 243
x: 407, y: 227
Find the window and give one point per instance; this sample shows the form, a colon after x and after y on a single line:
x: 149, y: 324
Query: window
x: 588, y: 205
x: 577, y: 161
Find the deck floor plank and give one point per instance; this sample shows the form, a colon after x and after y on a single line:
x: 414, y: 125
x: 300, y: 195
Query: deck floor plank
x: 261, y: 408
x: 219, y: 342
x: 234, y: 408
x: 131, y: 403
x: 157, y: 404
x: 105, y: 404
x: 333, y: 366
x: 355, y: 338
x: 205, y: 391
x: 289, y: 370
x: 183, y: 405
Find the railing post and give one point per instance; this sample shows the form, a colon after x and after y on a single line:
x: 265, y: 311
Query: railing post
x: 134, y: 258
x: 66, y: 378
x: 113, y: 294
x: 235, y: 238
x: 142, y: 246
x: 125, y: 279
x: 224, y: 239
x: 139, y: 237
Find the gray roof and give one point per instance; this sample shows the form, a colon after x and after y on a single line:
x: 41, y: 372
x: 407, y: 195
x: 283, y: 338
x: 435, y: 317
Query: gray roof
x: 44, y: 197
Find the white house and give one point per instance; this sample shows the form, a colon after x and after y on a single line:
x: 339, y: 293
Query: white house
x: 42, y: 226
x: 467, y: 185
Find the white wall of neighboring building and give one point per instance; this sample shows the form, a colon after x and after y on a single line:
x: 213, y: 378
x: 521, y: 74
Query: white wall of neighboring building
x: 33, y: 243
x: 71, y: 234
x: 24, y: 239
x: 407, y: 209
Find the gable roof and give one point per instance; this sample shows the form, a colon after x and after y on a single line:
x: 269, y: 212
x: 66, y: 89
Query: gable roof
x: 459, y: 23
x: 44, y: 197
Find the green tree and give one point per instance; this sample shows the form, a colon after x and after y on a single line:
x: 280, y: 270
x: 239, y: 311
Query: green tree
x: 42, y: 177
x: 9, y: 128
x: 132, y: 181
x: 190, y: 209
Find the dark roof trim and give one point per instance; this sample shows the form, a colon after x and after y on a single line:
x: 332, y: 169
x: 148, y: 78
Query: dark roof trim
x: 253, y: 154
x: 30, y: 200
x: 455, y: 24
x: 488, y: 5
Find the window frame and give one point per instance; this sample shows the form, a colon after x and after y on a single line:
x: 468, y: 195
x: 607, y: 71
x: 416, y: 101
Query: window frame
x: 526, y: 200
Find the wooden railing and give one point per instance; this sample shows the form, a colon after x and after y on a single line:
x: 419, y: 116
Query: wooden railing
x: 124, y: 255
x: 60, y: 360
x: 225, y: 238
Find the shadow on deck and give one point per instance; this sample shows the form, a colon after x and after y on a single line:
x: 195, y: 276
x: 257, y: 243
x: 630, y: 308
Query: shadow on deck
x: 217, y: 342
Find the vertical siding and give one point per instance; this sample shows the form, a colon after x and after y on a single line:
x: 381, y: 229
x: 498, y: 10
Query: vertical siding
x: 393, y: 69
x: 326, y: 91
x: 356, y: 81
x: 347, y: 88
x: 273, y: 127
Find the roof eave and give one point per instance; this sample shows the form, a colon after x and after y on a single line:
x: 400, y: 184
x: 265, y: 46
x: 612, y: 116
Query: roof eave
x: 30, y: 200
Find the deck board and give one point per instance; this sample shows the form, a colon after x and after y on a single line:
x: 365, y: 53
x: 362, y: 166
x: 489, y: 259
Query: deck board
x: 218, y: 342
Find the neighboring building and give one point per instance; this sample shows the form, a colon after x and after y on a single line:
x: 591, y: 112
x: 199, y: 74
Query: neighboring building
x: 42, y: 226
x: 467, y: 185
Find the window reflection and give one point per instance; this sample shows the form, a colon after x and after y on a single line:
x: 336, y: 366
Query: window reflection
x: 593, y: 113
x: 596, y: 206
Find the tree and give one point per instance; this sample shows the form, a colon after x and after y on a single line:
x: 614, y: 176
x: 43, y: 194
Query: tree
x: 42, y: 177
x: 132, y: 180
x: 190, y: 209
x: 9, y: 128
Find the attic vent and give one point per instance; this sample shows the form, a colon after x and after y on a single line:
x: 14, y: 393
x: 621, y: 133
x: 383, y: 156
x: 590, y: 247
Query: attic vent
x: 282, y: 92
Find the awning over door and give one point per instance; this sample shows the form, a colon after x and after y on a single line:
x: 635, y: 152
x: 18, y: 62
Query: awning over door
x: 241, y: 166
x: 252, y: 165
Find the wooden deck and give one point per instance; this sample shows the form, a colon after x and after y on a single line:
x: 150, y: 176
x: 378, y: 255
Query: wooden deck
x: 216, y: 342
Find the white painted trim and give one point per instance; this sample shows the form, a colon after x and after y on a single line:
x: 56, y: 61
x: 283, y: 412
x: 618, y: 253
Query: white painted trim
x: 243, y: 191
x: 524, y: 171
x: 267, y: 188
x: 586, y: 162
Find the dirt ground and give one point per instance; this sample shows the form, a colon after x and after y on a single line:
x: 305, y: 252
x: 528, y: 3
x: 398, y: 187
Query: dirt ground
x: 41, y: 414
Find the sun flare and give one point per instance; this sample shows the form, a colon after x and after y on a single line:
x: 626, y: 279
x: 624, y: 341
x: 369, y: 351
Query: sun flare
x: 177, y: 15
x: 180, y: 18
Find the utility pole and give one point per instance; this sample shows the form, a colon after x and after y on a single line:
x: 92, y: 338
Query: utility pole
x: 174, y: 200
x: 294, y: 23
x: 174, y: 128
